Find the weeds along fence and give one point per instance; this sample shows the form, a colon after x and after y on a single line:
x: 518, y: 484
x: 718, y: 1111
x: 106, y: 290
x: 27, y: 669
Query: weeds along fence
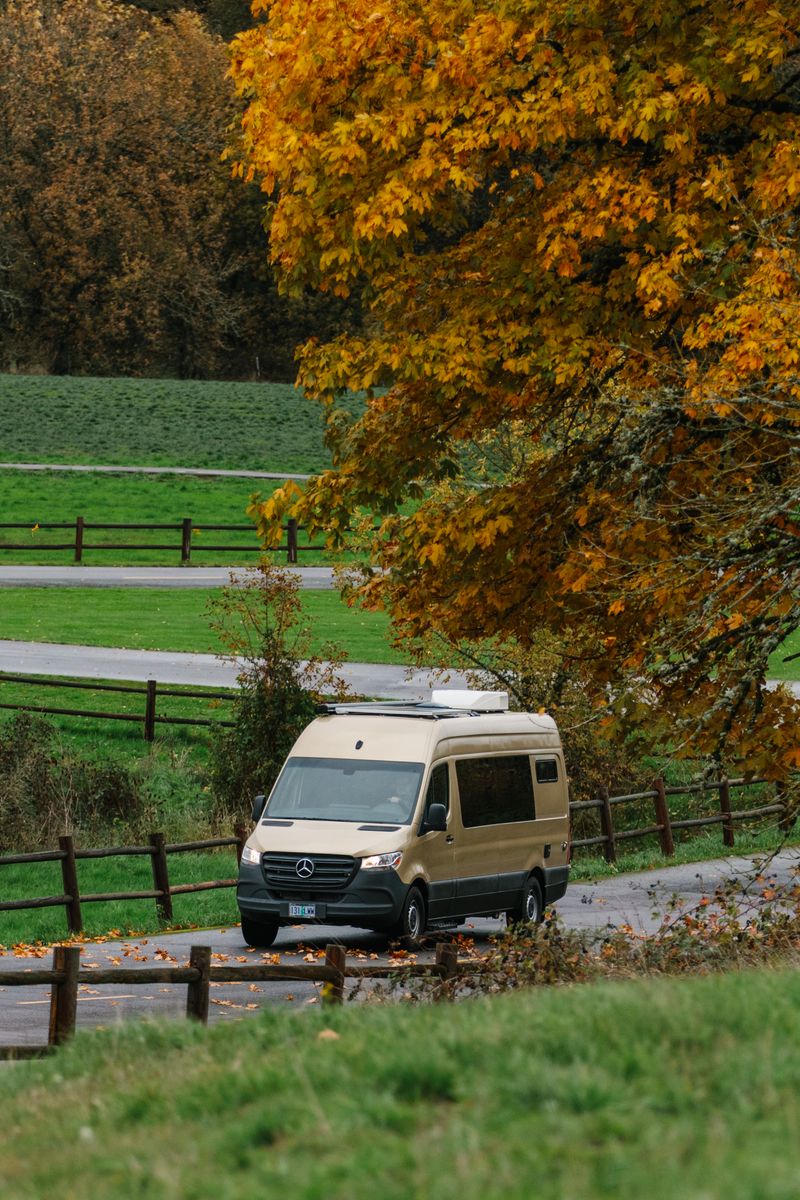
x: 665, y: 825
x: 189, y: 538
x: 65, y: 976
x: 158, y: 849
x: 150, y: 690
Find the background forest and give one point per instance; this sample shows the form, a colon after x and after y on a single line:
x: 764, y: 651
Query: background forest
x: 125, y: 246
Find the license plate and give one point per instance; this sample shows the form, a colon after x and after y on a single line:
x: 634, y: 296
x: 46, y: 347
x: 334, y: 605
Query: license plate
x: 302, y: 910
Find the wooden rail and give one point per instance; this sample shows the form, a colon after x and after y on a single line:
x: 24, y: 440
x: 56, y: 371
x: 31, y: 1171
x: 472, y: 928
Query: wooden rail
x: 150, y: 690
x: 159, y: 850
x: 71, y: 898
x: 186, y: 541
x: 664, y: 826
x: 65, y: 976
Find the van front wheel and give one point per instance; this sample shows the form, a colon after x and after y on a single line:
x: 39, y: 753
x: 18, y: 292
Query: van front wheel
x: 259, y: 934
x: 531, y: 909
x: 413, y: 918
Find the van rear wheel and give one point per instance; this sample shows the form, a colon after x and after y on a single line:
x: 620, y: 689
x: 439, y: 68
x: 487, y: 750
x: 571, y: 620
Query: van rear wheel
x: 531, y: 909
x: 259, y: 934
x: 413, y: 918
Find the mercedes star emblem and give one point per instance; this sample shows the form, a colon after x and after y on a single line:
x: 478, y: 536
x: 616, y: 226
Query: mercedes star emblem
x: 305, y: 868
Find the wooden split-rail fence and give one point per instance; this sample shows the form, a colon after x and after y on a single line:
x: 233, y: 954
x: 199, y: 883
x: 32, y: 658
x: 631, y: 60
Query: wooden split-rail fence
x: 151, y: 692
x: 189, y: 539
x: 65, y: 976
x: 664, y: 826
x: 157, y: 849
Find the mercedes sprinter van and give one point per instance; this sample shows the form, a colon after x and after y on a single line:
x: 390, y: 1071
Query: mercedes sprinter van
x: 401, y: 817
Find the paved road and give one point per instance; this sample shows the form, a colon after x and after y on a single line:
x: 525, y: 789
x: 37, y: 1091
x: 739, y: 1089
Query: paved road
x: 117, y: 470
x: 197, y: 670
x: 629, y: 899
x: 318, y: 578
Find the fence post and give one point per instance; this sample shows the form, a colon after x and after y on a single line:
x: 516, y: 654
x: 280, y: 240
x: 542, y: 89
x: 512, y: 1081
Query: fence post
x: 79, y: 524
x: 150, y: 711
x: 158, y: 856
x: 725, y: 809
x: 64, y: 995
x: 607, y: 826
x: 240, y: 832
x: 69, y: 878
x: 447, y: 961
x: 186, y: 541
x: 291, y: 540
x: 197, y: 993
x: 662, y: 817
x: 335, y: 957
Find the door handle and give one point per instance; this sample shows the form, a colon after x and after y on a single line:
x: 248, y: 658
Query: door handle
x: 449, y: 838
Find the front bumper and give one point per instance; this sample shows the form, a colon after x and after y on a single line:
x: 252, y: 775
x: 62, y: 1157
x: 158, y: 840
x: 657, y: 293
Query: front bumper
x: 373, y: 900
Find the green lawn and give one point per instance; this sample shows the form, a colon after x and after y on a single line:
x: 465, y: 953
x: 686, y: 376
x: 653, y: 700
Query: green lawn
x: 157, y: 422
x: 166, y: 619
x: 650, y: 1088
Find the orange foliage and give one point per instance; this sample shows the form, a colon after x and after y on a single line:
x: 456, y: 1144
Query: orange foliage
x: 575, y: 228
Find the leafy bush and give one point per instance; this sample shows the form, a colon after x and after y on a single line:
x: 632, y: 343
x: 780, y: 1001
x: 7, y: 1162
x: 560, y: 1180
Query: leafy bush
x: 732, y: 928
x: 47, y: 789
x: 258, y: 618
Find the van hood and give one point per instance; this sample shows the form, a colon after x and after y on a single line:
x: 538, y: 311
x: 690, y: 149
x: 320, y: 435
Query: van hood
x: 328, y: 837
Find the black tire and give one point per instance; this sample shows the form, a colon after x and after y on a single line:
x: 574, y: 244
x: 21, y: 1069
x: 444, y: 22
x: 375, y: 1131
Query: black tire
x: 259, y: 934
x: 413, y: 918
x: 531, y: 909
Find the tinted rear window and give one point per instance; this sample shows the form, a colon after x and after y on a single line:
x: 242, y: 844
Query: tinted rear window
x: 546, y: 770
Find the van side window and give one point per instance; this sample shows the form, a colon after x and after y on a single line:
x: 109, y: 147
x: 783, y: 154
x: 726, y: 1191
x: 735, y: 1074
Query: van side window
x: 495, y: 791
x: 438, y: 789
x: 547, y: 770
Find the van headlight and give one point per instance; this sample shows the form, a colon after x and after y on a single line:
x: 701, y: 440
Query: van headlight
x: 376, y: 861
x: 251, y: 855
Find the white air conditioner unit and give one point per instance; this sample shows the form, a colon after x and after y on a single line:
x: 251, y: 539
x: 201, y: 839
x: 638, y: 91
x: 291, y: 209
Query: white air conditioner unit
x: 475, y: 701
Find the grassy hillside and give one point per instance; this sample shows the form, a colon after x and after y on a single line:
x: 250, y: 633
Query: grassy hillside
x: 253, y: 426
x: 680, y: 1088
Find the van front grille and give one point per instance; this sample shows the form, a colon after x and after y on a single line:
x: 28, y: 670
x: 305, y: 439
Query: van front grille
x: 317, y: 872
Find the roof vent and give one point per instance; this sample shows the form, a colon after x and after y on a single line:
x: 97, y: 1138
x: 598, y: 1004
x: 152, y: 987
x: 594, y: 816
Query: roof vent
x: 474, y: 701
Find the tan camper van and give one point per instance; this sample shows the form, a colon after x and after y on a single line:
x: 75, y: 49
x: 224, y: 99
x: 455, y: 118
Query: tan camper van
x: 403, y: 817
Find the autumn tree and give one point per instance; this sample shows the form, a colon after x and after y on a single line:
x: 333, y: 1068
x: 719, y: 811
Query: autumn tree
x: 124, y: 244
x: 575, y: 229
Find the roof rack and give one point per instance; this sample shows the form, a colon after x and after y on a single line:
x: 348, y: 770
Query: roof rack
x: 419, y: 709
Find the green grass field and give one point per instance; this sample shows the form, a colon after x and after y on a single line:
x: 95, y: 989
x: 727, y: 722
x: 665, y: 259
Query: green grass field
x: 167, y: 619
x: 177, y: 619
x: 156, y: 422
x: 650, y: 1088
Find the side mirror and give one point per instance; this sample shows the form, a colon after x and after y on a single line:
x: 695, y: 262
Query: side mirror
x: 258, y: 806
x: 436, y: 818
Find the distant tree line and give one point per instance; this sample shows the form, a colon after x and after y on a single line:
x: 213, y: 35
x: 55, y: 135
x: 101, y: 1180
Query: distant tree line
x: 125, y: 246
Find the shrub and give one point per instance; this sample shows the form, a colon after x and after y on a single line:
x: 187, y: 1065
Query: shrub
x: 258, y: 618
x: 47, y: 789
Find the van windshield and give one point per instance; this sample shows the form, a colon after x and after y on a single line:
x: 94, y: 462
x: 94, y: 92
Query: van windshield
x: 346, y: 789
